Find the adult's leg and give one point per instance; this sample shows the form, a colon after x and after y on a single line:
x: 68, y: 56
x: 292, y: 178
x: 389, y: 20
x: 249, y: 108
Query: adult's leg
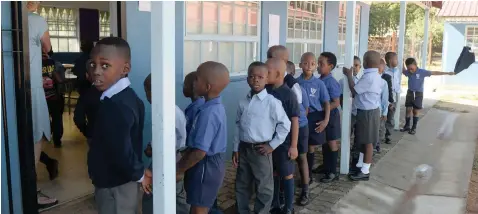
x: 57, y: 121
x: 244, y: 180
x: 51, y: 165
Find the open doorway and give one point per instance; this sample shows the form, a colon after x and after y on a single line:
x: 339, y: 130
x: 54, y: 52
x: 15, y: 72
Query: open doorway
x: 70, y: 23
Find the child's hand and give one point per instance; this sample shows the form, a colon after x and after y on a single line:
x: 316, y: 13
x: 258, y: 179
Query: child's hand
x: 235, y: 159
x: 264, y: 149
x: 390, y: 107
x: 347, y: 71
x: 179, y: 177
x: 384, y: 118
x: 148, y: 151
x: 293, y: 153
x: 147, y: 182
x: 321, y: 126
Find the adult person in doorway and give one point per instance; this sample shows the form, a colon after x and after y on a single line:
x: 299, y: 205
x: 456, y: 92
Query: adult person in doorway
x: 80, y: 70
x: 39, y: 39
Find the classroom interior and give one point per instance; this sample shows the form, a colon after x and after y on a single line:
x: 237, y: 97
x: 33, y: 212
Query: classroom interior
x: 69, y: 22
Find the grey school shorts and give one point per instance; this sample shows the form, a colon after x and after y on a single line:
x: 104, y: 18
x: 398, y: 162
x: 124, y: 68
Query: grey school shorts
x: 367, y: 126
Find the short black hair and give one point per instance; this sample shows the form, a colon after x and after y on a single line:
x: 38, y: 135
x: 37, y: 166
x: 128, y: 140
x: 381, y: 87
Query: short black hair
x: 357, y: 58
x: 388, y: 56
x: 290, y: 65
x: 410, y: 61
x: 272, y: 50
x: 331, y: 58
x: 86, y: 46
x: 117, y: 42
x: 147, y: 82
x: 256, y: 64
x: 307, y: 54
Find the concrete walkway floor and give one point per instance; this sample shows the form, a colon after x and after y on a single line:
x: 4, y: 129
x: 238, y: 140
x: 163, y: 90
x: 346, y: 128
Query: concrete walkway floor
x: 451, y: 159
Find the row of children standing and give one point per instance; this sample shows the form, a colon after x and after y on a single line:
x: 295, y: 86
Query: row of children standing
x: 280, y: 119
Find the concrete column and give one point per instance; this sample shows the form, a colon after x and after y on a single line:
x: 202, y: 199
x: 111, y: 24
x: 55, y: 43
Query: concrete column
x: 331, y: 26
x: 425, y: 39
x: 347, y: 103
x: 163, y: 106
x: 113, y: 8
x: 364, y: 25
x: 401, y: 45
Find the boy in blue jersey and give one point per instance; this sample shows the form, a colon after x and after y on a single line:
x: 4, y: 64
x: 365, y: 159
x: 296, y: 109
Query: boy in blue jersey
x: 414, y: 99
x: 303, y: 143
x: 196, y: 101
x: 319, y: 106
x: 327, y: 63
x: 261, y: 126
x: 202, y: 164
x: 284, y: 155
x: 115, y: 156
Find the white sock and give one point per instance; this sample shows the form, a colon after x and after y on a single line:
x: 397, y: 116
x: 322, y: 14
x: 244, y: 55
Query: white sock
x: 366, y: 168
x: 360, y: 160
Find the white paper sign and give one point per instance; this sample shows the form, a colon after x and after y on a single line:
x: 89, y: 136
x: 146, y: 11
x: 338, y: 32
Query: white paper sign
x: 274, y: 29
x: 144, y: 6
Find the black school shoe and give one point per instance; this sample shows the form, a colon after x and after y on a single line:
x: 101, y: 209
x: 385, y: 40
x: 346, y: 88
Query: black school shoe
x: 52, y: 169
x: 405, y: 129
x: 276, y: 210
x: 304, y: 199
x: 412, y: 131
x: 359, y: 176
x: 387, y: 141
x: 330, y: 177
x: 320, y: 169
x: 288, y: 211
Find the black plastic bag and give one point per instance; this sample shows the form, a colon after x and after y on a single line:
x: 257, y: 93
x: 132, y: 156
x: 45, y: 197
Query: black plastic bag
x: 465, y: 60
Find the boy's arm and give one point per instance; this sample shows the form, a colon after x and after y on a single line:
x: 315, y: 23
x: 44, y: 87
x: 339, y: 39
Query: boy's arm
x: 438, y: 73
x: 384, y: 100
x: 117, y: 140
x: 282, y: 127
x: 334, y: 93
x: 79, y: 115
x: 206, y: 128
x: 294, y: 132
x: 237, y: 128
x: 298, y: 92
x: 390, y: 90
x: 180, y: 129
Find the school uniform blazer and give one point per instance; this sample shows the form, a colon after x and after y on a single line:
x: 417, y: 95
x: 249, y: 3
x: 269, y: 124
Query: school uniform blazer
x: 115, y: 155
x: 388, y: 79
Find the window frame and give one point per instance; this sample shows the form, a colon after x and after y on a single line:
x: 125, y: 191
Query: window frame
x: 296, y: 41
x: 341, y: 43
x: 218, y: 37
x: 77, y: 27
x: 100, y: 24
x: 474, y: 48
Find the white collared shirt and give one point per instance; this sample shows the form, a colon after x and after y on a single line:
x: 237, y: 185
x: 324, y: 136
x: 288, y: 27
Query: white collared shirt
x: 116, y: 88
x: 369, y: 90
x: 261, y: 118
x: 395, y: 74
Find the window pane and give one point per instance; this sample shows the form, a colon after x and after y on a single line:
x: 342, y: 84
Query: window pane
x: 240, y: 21
x: 225, y: 54
x: 298, y: 51
x: 240, y: 57
x: 209, y: 51
x: 290, y: 27
x: 191, y: 56
x: 251, y: 51
x: 252, y: 22
x: 73, y: 45
x: 298, y: 28
x: 193, y: 17
x: 306, y: 23
x: 226, y: 19
x: 209, y: 18
x: 62, y: 45
x: 54, y: 44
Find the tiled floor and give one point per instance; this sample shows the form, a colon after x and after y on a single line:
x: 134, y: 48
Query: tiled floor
x: 73, y: 181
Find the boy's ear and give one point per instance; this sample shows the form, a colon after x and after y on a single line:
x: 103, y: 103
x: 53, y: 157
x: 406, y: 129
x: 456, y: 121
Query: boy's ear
x: 126, y: 68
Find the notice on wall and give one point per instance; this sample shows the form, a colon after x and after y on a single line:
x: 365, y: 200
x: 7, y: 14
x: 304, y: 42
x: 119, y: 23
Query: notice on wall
x: 144, y: 6
x: 274, y: 29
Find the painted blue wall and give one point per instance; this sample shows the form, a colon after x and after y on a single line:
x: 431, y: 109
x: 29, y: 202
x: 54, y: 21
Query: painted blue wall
x: 453, y: 42
x: 276, y: 8
x: 10, y: 105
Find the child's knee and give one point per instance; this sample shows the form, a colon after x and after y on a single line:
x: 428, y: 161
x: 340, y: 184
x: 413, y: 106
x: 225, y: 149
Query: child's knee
x: 288, y: 177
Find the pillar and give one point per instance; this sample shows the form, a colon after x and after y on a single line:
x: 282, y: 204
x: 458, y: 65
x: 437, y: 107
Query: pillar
x: 401, y: 45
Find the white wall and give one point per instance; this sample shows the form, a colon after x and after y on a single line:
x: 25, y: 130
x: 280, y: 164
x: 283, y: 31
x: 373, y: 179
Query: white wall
x: 100, y: 5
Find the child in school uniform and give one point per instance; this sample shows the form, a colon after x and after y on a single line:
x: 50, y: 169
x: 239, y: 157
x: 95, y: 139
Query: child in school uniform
x: 115, y: 156
x: 356, y: 69
x: 202, y: 164
x: 303, y: 143
x: 261, y: 126
x: 367, y: 99
x: 284, y: 155
x: 180, y: 127
x: 326, y: 63
x: 319, y: 106
x: 391, y: 69
x: 384, y: 102
x: 196, y: 101
x: 414, y: 99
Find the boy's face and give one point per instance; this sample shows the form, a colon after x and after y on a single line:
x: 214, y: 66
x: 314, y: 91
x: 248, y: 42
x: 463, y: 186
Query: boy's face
x: 412, y: 67
x: 394, y: 61
x: 291, y: 70
x: 201, y: 86
x: 107, y: 65
x: 257, y: 78
x: 272, y: 74
x: 324, y: 67
x: 357, y: 67
x: 308, y: 65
